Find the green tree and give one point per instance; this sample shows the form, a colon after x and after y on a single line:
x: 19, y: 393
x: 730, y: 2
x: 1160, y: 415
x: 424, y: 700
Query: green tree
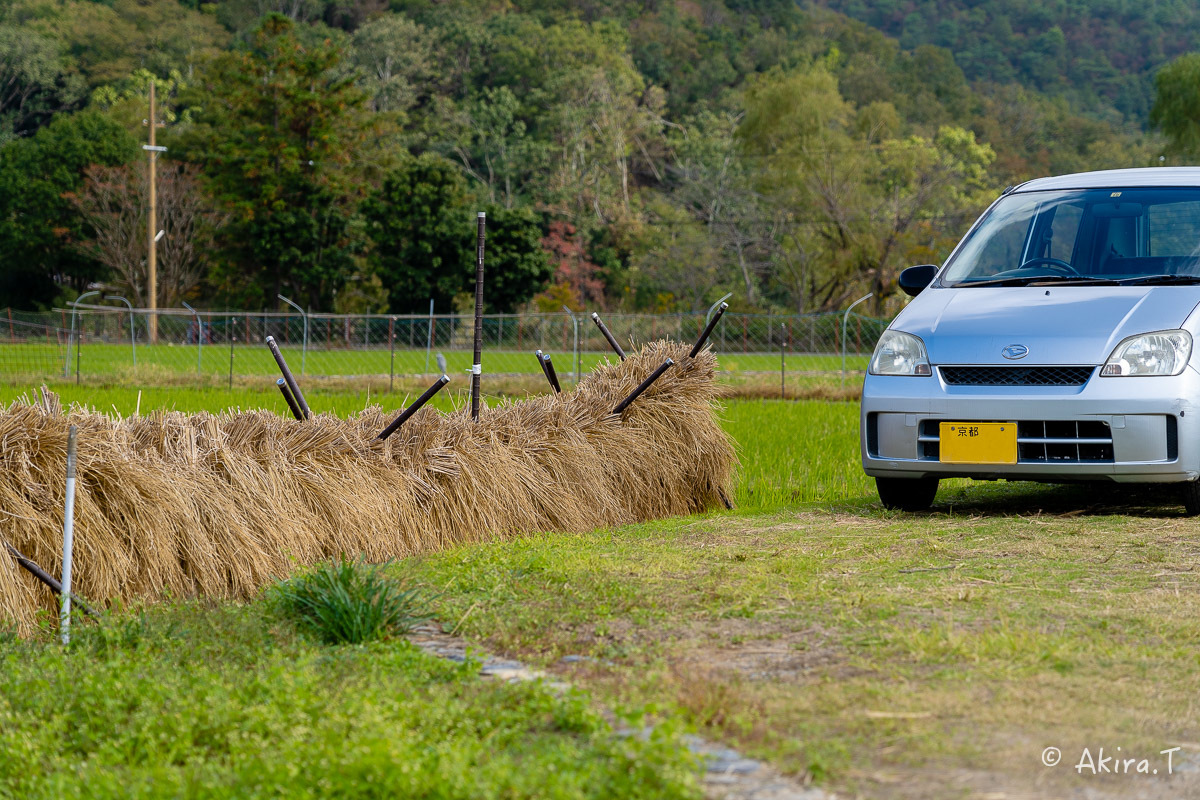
x: 580, y: 93
x: 860, y: 202
x: 494, y: 148
x: 421, y: 223
x: 37, y: 223
x: 33, y: 81
x: 396, y: 58
x: 277, y: 133
x: 715, y: 183
x: 1176, y: 110
x: 108, y: 40
x: 677, y: 260
x: 517, y: 267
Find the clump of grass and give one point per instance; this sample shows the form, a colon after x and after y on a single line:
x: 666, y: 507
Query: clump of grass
x: 351, y: 602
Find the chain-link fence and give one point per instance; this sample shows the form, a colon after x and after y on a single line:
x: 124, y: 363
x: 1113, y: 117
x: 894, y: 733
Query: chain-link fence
x: 98, y: 342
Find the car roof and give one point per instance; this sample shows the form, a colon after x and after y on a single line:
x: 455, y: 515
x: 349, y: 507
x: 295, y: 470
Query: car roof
x: 1127, y: 178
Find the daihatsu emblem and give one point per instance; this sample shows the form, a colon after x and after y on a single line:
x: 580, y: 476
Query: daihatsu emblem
x: 1015, y: 351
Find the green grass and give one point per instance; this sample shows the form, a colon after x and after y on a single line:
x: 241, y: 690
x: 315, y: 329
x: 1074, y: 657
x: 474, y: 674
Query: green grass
x: 869, y: 651
x: 221, y: 701
x: 873, y: 652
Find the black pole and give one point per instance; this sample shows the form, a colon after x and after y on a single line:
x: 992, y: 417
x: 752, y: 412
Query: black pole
x: 712, y: 323
x: 291, y: 379
x: 541, y: 363
x: 415, y: 407
x: 48, y: 579
x: 287, y: 396
x: 643, y: 386
x: 551, y: 375
x: 476, y: 366
x: 612, y: 342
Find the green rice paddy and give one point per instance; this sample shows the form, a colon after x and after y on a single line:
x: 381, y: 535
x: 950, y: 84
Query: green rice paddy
x: 214, y: 361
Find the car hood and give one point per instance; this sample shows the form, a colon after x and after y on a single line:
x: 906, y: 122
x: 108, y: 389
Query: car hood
x: 1059, y: 324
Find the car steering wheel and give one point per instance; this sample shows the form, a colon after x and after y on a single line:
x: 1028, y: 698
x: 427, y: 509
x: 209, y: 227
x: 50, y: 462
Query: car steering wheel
x: 1054, y: 263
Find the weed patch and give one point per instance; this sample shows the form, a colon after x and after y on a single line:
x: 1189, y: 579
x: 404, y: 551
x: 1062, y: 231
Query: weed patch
x: 350, y: 602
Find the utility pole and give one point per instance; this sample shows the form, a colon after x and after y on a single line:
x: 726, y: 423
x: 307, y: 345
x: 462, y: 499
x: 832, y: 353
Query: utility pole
x: 152, y: 228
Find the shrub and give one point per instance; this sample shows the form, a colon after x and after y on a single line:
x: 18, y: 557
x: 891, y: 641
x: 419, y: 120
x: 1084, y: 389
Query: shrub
x: 350, y: 602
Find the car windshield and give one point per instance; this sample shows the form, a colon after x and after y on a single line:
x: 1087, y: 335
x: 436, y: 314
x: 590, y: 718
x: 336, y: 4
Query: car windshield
x: 1095, y: 236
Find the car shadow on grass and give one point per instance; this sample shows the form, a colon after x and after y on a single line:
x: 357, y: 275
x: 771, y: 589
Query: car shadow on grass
x: 1026, y: 498
x: 964, y: 497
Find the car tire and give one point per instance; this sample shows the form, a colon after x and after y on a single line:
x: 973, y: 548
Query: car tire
x: 908, y: 494
x: 1191, y: 498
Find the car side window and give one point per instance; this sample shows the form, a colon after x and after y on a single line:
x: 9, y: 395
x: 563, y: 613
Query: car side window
x: 1002, y: 250
x: 1174, y: 229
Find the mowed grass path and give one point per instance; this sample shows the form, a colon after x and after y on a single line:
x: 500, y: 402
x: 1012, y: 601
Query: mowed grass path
x: 880, y: 655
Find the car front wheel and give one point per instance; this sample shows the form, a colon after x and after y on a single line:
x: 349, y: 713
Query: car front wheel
x: 907, y: 494
x: 1191, y: 498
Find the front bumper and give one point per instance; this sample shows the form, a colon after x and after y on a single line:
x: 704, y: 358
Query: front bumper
x: 1135, y: 430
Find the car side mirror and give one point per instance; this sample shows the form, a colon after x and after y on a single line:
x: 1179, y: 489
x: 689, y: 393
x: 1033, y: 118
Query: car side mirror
x: 914, y: 279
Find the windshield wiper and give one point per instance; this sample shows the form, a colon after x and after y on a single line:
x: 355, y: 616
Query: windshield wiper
x: 1162, y: 280
x: 1041, y: 280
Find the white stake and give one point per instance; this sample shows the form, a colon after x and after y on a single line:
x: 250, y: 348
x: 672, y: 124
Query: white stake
x: 64, y: 619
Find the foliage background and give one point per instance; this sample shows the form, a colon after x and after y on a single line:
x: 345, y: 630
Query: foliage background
x: 631, y: 155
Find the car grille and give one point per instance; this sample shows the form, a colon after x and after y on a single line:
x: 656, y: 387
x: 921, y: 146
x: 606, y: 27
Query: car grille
x: 1016, y: 376
x: 1040, y: 441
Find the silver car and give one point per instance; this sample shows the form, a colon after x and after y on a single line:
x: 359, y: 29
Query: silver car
x: 1055, y: 344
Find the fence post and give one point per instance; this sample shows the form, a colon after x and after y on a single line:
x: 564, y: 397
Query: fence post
x: 845, y: 319
x: 304, y: 316
x: 199, y: 335
x: 132, y: 339
x: 232, y: 339
x: 575, y: 328
x: 74, y: 314
x: 429, y: 343
x: 392, y: 346
x: 782, y: 359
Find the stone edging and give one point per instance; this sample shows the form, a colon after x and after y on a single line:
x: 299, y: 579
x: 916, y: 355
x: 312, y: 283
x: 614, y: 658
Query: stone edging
x: 728, y: 774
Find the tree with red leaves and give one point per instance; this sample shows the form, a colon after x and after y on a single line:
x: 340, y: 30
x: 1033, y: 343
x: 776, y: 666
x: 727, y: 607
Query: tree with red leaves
x: 573, y: 270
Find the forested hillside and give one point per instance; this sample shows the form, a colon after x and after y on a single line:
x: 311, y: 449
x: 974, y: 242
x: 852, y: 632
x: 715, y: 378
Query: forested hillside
x: 630, y: 155
x: 1101, y: 54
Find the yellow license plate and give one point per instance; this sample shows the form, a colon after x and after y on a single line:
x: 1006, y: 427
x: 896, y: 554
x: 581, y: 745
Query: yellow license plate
x: 978, y: 443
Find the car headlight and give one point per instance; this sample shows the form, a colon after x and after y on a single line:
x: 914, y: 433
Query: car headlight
x: 1159, y: 353
x: 900, y: 354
